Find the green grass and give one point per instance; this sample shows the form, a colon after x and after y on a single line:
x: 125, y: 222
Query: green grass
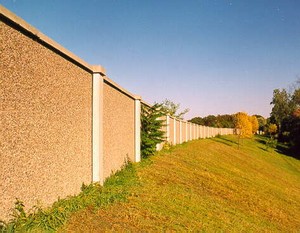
x: 92, y: 196
x: 205, y: 185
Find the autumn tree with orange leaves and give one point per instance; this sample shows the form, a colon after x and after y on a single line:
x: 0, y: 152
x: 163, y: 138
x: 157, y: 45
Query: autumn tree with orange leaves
x: 245, y: 125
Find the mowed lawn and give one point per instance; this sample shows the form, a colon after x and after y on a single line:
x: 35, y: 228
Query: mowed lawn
x: 205, y: 185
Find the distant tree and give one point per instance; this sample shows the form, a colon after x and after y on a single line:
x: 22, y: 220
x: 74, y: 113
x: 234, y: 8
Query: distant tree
x: 254, y: 123
x: 151, y: 129
x: 296, y: 97
x: 282, y: 106
x: 221, y: 121
x: 197, y: 120
x: 286, y: 114
x: 171, y: 108
x: 225, y: 121
x: 295, y: 134
x: 271, y: 131
x: 210, y: 120
x: 243, y: 126
x: 295, y: 120
x: 262, y: 122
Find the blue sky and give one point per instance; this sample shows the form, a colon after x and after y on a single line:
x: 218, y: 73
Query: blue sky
x: 214, y: 57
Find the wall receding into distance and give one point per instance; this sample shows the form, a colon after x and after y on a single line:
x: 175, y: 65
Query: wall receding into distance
x: 62, y: 121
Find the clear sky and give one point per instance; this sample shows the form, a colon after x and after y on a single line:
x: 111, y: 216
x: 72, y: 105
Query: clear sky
x: 214, y: 57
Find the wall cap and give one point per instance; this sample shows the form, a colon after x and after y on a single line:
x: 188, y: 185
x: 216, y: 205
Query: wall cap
x: 137, y: 97
x: 145, y: 103
x: 98, y: 69
x: 118, y: 87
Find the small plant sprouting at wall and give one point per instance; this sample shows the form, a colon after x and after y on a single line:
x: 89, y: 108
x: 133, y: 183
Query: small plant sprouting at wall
x: 151, y: 129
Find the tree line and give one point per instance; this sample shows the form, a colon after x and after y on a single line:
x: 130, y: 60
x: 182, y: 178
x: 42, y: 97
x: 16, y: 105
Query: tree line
x: 286, y: 115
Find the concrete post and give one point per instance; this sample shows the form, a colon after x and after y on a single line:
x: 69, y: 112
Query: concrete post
x: 137, y: 128
x: 200, y: 131
x: 186, y: 131
x: 97, y: 136
x: 174, y: 136
x: 168, y: 129
x: 180, y: 131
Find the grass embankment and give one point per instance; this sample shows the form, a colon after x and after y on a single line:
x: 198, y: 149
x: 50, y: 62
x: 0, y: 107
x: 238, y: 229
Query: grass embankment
x: 206, y: 185
x: 203, y: 185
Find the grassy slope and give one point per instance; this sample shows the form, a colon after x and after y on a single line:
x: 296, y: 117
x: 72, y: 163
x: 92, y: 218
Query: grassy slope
x: 206, y: 185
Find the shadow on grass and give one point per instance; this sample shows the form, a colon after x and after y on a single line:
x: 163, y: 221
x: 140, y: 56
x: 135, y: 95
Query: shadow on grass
x: 263, y: 141
x: 286, y: 150
x: 280, y: 147
x: 224, y: 141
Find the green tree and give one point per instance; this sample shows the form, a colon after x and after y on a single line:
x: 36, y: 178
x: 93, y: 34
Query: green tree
x: 295, y: 99
x: 197, y: 120
x: 225, y: 121
x: 281, y: 106
x: 171, y: 108
x: 151, y: 129
x: 286, y: 114
x: 262, y: 122
x: 221, y: 121
x: 271, y: 131
x: 210, y: 120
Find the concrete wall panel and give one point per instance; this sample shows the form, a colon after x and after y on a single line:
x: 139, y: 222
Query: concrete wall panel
x: 177, y: 131
x: 118, y: 129
x: 45, y: 114
x: 184, y: 124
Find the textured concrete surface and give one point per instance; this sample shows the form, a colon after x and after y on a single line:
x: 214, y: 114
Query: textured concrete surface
x: 177, y: 131
x: 118, y: 129
x: 171, y: 128
x: 164, y: 129
x: 45, y: 123
x: 184, y: 124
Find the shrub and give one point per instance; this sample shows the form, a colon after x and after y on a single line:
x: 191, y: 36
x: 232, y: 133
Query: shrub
x: 151, y: 129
